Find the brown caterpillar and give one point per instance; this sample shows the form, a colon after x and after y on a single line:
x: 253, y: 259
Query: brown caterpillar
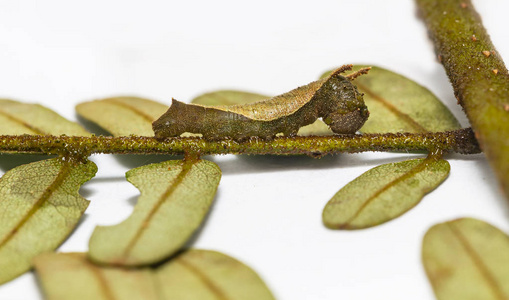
x: 335, y: 99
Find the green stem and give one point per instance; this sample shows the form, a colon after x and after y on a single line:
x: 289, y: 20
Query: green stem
x: 478, y: 75
x: 461, y: 141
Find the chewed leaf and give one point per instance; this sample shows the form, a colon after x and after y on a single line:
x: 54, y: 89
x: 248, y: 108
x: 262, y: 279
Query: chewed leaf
x: 72, y: 276
x: 233, y: 97
x: 467, y: 259
x: 384, y: 193
x: 201, y: 274
x: 398, y: 104
x: 228, y: 97
x: 123, y: 116
x: 39, y: 207
x: 25, y: 118
x: 175, y: 197
x: 194, y: 274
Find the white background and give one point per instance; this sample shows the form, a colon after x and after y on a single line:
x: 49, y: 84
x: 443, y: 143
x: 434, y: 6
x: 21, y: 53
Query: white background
x: 268, y: 209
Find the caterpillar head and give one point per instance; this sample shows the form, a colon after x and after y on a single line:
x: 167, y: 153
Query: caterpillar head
x: 345, y: 111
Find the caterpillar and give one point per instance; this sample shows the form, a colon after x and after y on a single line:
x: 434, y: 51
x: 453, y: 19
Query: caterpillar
x: 334, y: 99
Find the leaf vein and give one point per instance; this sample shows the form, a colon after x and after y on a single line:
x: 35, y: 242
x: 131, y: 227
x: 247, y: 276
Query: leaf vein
x: 478, y: 262
x: 59, y: 179
x: 394, y: 182
x: 186, y: 167
x: 21, y: 122
x: 114, y: 101
x: 403, y: 116
x: 101, y: 280
x: 218, y: 293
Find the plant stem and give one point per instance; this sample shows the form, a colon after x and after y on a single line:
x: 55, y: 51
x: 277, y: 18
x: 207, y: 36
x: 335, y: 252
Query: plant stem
x: 461, y: 141
x: 478, y: 75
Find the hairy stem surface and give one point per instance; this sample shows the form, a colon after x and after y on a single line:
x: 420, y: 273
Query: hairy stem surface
x: 461, y: 141
x: 478, y: 75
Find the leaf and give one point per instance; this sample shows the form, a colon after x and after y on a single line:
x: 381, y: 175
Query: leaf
x: 228, y: 97
x: 24, y: 118
x: 383, y: 193
x: 122, y: 116
x: 204, y: 275
x: 467, y: 259
x: 176, y: 196
x: 317, y: 128
x: 194, y: 274
x: 398, y: 104
x: 233, y: 97
x: 39, y: 207
x: 71, y: 276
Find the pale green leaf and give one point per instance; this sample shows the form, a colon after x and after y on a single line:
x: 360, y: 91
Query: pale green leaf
x: 123, y: 116
x: 383, y: 193
x: 39, y: 207
x: 193, y: 274
x: 210, y: 275
x: 398, y: 104
x: 467, y: 259
x: 317, y: 128
x: 232, y: 97
x: 175, y: 197
x: 228, y: 97
x: 65, y: 276
x: 25, y: 118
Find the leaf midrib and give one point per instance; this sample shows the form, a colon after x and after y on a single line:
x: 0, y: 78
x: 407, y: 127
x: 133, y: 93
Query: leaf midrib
x: 186, y: 167
x: 418, y: 168
x: 21, y: 122
x: 145, y: 116
x: 59, y: 179
x: 101, y: 280
x: 211, y: 286
x: 479, y: 264
x: 403, y: 116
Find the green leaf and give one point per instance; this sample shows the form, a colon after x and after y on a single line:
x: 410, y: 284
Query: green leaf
x: 175, y: 197
x: 384, y: 193
x: 194, y: 274
x: 24, y: 118
x: 467, y: 259
x: 233, y: 97
x: 204, y: 275
x: 317, y: 128
x: 39, y: 207
x: 228, y: 97
x: 123, y: 116
x: 398, y: 104
x: 71, y: 276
